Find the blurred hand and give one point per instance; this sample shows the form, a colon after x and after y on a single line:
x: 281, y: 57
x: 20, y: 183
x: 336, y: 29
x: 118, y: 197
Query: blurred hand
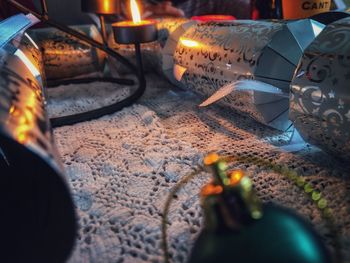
x: 165, y: 8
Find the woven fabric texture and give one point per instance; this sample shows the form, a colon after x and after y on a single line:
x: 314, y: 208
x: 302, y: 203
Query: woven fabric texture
x: 121, y: 167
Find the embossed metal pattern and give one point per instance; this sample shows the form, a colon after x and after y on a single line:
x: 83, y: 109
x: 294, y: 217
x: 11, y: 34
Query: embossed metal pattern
x: 228, y: 53
x: 65, y: 56
x: 320, y: 94
x: 167, y: 26
x: 33, y: 53
x: 32, y: 178
x: 231, y: 48
x: 214, y: 54
x: 23, y: 102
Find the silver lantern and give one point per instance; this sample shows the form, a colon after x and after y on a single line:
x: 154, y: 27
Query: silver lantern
x: 320, y: 94
x: 37, y: 213
x: 211, y: 55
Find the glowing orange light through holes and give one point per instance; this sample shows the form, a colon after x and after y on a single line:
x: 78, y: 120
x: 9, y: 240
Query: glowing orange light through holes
x: 25, y: 119
x: 189, y: 43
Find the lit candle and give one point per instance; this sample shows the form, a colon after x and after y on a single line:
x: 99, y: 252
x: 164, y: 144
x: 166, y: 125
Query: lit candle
x: 101, y: 7
x: 135, y: 31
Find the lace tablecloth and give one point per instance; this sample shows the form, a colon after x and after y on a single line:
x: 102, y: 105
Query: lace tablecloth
x: 121, y: 168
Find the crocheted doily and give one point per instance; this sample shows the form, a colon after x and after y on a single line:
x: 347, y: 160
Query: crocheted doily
x: 121, y: 167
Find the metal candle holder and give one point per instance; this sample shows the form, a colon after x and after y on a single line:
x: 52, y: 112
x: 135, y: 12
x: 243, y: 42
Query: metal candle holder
x: 127, y: 33
x: 100, y: 8
x: 135, y: 33
x: 33, y: 182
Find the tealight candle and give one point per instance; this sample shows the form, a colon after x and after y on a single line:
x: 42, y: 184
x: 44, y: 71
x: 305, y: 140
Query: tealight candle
x: 135, y: 31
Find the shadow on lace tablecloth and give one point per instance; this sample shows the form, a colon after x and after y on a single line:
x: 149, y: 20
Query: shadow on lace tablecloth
x: 121, y: 168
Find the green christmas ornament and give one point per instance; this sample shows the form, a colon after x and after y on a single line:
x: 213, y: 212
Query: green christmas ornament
x: 239, y: 228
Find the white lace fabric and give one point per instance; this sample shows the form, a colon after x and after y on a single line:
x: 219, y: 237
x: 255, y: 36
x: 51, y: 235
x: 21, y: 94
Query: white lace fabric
x: 121, y: 167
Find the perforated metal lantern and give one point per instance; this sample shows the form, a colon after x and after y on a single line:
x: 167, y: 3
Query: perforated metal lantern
x: 169, y: 44
x: 211, y: 55
x: 65, y: 56
x: 37, y: 214
x: 320, y: 94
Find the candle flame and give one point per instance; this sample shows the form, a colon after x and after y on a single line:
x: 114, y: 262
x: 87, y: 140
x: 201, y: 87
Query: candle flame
x: 106, y: 5
x: 135, y: 12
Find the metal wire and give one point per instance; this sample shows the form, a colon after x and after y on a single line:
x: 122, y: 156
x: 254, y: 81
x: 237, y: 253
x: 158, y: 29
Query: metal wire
x: 168, y: 201
x: 97, y: 113
x: 55, y: 83
x: 285, y: 171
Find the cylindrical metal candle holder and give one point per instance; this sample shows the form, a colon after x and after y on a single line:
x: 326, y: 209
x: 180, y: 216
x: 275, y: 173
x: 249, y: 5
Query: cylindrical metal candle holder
x: 37, y: 212
x: 65, y: 56
x: 211, y: 55
x: 320, y: 95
